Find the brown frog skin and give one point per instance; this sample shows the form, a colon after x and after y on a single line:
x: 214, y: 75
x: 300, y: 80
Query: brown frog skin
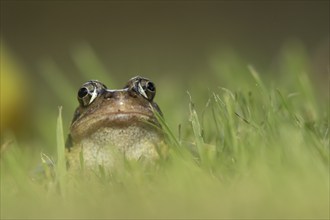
x: 110, y: 126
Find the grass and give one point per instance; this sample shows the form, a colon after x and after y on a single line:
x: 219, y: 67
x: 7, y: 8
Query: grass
x: 259, y: 153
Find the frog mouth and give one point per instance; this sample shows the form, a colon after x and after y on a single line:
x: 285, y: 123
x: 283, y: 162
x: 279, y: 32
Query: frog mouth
x: 127, y: 118
x: 87, y: 126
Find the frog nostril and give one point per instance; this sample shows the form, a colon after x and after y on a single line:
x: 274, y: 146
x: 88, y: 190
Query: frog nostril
x: 108, y: 95
x: 132, y: 93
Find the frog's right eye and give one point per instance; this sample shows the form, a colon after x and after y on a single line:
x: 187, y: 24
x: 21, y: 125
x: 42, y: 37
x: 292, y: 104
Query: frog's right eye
x: 90, y: 91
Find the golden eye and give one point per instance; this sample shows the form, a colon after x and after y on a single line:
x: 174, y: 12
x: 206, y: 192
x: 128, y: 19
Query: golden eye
x: 142, y: 86
x: 89, y: 92
x: 150, y: 90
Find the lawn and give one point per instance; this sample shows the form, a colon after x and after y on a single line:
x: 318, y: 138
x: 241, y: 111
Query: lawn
x: 257, y: 147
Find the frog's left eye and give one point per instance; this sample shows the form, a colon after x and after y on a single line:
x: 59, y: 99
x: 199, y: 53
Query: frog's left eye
x: 142, y: 86
x: 89, y: 91
x: 149, y: 89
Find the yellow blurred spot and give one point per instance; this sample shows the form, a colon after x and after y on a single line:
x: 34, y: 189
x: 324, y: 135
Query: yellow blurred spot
x: 12, y: 92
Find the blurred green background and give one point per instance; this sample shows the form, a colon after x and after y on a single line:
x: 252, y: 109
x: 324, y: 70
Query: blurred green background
x: 258, y: 76
x: 50, y: 48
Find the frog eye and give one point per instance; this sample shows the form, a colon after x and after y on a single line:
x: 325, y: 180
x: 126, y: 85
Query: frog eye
x: 142, y: 86
x: 146, y: 88
x: 89, y: 91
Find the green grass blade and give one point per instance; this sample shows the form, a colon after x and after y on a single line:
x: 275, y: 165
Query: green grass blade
x: 61, y: 162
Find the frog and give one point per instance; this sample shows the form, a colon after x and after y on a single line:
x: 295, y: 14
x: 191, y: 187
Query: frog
x: 110, y: 126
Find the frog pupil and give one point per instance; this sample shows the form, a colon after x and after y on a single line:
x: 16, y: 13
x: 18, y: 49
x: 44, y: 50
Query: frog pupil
x: 150, y: 86
x: 82, y: 92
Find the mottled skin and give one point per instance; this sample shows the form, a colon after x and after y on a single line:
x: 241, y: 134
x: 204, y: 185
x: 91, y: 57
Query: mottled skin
x: 112, y: 125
